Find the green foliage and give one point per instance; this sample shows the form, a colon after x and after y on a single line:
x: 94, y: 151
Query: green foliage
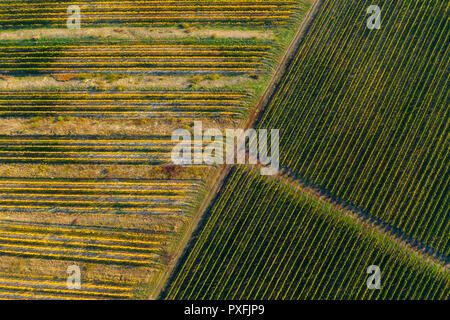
x: 262, y: 240
x: 363, y: 114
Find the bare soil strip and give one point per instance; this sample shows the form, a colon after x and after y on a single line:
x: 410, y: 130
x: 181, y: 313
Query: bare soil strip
x: 132, y: 33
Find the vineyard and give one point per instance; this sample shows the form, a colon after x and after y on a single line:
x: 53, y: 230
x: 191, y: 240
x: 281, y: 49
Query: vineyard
x: 87, y: 197
x: 138, y: 197
x: 86, y: 118
x: 14, y: 286
x: 88, y: 115
x: 130, y: 104
x: 59, y: 221
x: 85, y: 149
x: 372, y: 110
x: 24, y: 58
x: 31, y: 13
x: 363, y: 122
x: 262, y: 240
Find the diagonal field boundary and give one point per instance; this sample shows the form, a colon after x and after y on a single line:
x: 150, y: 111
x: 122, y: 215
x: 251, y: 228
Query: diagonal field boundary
x: 364, y: 219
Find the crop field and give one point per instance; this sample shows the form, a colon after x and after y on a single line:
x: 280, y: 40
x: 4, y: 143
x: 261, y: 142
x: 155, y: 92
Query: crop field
x: 86, y: 149
x: 262, y: 240
x: 73, y: 234
x: 372, y: 114
x: 15, y: 286
x: 25, y: 14
x: 94, y: 94
x: 86, y: 118
x: 139, y: 197
x: 168, y: 57
x: 130, y: 104
x: 363, y: 119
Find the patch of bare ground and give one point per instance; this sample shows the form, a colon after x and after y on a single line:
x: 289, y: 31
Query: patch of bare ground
x: 105, y: 126
x: 147, y: 223
x: 90, y: 272
x: 135, y: 33
x: 127, y: 82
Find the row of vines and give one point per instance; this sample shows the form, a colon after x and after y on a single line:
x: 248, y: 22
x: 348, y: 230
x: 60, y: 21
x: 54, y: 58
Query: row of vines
x: 19, y: 58
x: 372, y: 116
x: 31, y: 13
x: 129, y: 104
x: 62, y: 224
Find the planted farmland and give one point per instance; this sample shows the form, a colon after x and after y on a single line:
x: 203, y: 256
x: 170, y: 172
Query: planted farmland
x: 32, y: 13
x: 160, y: 57
x: 372, y: 113
x: 20, y: 286
x: 87, y: 149
x: 263, y: 240
x: 138, y: 197
x: 101, y: 225
x: 130, y: 104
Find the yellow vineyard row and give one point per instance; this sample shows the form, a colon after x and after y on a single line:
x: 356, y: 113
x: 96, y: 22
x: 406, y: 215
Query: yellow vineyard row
x: 142, y: 14
x: 141, y: 94
x: 179, y: 2
x: 143, y: 46
x: 63, y: 291
x: 75, y: 257
x: 83, y: 159
x: 95, y: 141
x: 77, y: 244
x: 137, y: 237
x: 89, y: 152
x: 136, y: 69
x: 87, y: 63
x: 158, y: 209
x: 39, y: 296
x: 114, y: 106
x: 159, y: 18
x: 78, y: 202
x: 126, y: 191
x: 63, y: 284
x: 87, y: 251
x: 120, y: 283
x: 79, y: 103
x: 88, y: 237
x: 146, y: 24
x: 117, y: 6
x: 90, y: 195
x: 124, y: 50
x: 137, y: 183
x: 124, y: 112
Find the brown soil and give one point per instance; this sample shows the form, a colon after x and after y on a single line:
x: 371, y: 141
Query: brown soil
x: 133, y: 33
